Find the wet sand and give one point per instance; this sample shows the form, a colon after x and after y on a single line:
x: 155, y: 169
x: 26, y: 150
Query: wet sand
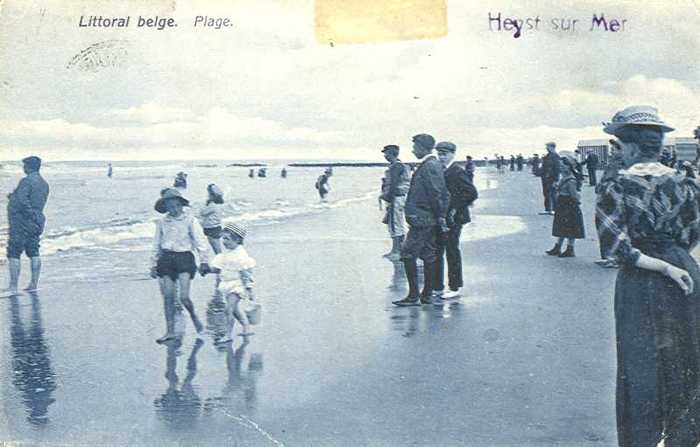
x: 526, y: 358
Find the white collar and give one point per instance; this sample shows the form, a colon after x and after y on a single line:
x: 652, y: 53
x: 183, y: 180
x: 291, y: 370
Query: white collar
x: 655, y: 169
x: 427, y: 157
x: 451, y: 163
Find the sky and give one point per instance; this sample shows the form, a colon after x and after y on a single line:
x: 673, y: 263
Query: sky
x: 269, y: 87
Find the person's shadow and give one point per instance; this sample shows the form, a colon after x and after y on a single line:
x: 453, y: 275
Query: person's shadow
x: 180, y: 405
x: 31, y: 361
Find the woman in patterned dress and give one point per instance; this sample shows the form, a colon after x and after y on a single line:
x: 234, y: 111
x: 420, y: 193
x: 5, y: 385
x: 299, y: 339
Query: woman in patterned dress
x: 648, y: 218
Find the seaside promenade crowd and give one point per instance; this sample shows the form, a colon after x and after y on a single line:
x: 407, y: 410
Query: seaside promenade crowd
x: 647, y: 218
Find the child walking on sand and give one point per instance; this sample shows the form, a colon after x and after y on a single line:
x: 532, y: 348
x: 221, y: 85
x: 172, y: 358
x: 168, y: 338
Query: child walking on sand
x: 234, y: 267
x: 178, y: 236
x: 568, y: 219
x: 211, y: 217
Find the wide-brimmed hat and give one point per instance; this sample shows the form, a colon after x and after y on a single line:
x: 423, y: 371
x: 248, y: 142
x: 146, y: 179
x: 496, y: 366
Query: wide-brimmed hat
x: 169, y: 193
x: 237, y: 229
x: 636, y: 116
x: 446, y: 146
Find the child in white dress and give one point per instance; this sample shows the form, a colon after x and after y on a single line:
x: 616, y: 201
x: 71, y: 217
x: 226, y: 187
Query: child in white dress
x: 234, y: 267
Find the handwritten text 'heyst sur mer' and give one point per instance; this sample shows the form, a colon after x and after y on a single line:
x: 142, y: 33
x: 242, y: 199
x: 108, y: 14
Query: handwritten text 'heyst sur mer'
x: 520, y: 25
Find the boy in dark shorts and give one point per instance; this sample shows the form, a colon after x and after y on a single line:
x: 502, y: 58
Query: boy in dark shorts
x: 178, y: 236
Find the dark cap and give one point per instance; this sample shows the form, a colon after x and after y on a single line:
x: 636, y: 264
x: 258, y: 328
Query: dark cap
x: 446, y: 146
x: 425, y: 140
x: 390, y: 147
x: 33, y: 162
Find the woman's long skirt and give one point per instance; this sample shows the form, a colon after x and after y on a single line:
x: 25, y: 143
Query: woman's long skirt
x: 658, y: 353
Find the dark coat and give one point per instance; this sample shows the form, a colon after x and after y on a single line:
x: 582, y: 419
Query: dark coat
x: 427, y: 198
x: 462, y: 194
x: 591, y: 161
x: 550, y: 168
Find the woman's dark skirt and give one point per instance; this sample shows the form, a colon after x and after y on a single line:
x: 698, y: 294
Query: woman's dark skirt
x: 568, y: 219
x: 658, y: 353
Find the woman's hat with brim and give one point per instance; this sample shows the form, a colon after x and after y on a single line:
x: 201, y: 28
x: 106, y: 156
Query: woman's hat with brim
x: 636, y: 116
x: 169, y: 193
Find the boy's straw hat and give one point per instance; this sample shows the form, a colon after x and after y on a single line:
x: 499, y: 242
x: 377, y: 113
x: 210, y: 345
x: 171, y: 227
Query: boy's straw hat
x: 236, y: 229
x: 636, y: 116
x: 169, y: 193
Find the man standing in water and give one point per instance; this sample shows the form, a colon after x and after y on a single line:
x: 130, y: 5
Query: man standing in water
x: 550, y: 176
x: 398, y: 180
x: 322, y: 184
x: 25, y: 213
x: 426, y: 211
x: 462, y: 194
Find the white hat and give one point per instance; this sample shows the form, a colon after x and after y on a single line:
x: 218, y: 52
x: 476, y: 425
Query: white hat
x: 236, y: 229
x: 637, y: 116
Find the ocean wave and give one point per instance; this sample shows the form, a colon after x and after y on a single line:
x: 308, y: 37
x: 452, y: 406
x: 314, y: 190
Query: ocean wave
x: 129, y: 233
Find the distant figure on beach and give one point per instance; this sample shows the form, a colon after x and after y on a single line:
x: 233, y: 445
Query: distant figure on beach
x: 470, y: 168
x: 520, y: 161
x: 649, y: 219
x: 395, y: 187
x: 512, y: 163
x: 568, y: 218
x: 262, y: 172
x: 210, y: 217
x: 109, y: 171
x: 426, y: 214
x: 251, y: 173
x: 536, y: 165
x: 591, y: 162
x: 25, y: 214
x: 283, y: 174
x: 462, y: 194
x: 180, y: 181
x: 235, y: 269
x: 178, y: 236
x: 550, y: 176
x: 323, y: 185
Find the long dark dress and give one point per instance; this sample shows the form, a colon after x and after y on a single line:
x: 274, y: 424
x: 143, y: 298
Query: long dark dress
x: 657, y: 326
x: 568, y: 219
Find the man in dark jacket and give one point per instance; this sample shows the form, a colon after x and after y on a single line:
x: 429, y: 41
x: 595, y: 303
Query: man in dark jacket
x: 550, y: 176
x: 462, y: 194
x: 25, y: 213
x: 426, y: 211
x: 591, y: 163
x: 470, y: 168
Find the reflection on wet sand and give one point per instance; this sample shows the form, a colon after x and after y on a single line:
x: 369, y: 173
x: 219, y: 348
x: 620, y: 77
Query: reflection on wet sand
x: 398, y: 279
x: 31, y: 361
x: 239, y: 395
x: 180, y: 406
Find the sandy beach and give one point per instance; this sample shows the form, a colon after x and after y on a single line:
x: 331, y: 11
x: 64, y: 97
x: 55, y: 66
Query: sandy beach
x: 524, y: 359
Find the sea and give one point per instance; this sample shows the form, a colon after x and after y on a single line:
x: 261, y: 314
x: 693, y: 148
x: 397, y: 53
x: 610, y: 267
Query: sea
x: 88, y: 211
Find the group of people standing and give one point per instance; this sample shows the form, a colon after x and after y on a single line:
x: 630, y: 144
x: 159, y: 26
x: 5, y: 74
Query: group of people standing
x: 434, y: 202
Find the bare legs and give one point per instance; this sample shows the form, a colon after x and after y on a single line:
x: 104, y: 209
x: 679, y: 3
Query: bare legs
x: 171, y: 303
x: 235, y: 312
x: 215, y: 244
x: 15, y: 268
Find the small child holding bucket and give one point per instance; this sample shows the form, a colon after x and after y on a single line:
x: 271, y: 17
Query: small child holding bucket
x: 234, y: 267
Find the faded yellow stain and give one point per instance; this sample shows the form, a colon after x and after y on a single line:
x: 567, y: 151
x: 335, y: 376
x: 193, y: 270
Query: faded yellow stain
x: 367, y: 21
